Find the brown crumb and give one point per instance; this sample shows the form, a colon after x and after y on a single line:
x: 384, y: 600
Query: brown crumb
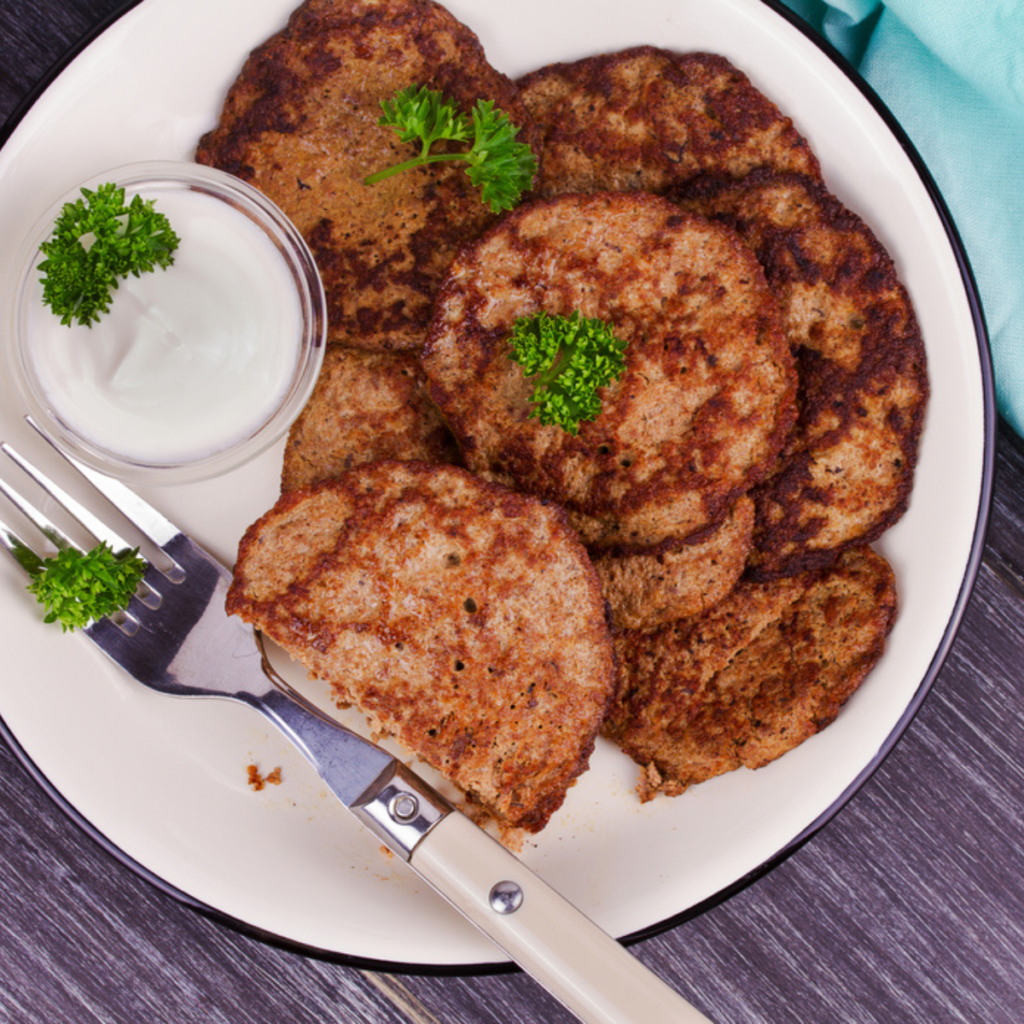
x: 258, y: 781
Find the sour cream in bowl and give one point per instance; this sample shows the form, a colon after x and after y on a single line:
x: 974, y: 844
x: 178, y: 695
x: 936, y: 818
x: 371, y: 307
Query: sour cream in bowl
x: 197, y: 367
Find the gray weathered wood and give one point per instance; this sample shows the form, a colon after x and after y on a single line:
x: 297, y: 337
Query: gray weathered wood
x: 907, y: 907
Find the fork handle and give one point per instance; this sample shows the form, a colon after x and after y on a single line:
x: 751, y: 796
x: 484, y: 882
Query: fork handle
x: 578, y: 963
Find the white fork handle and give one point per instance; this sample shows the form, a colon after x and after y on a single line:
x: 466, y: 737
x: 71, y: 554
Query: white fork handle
x: 578, y: 963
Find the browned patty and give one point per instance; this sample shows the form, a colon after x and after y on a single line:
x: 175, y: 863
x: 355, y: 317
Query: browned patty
x: 648, y: 119
x: 707, y: 395
x: 768, y: 667
x: 464, y: 620
x: 300, y: 123
x: 366, y: 406
x: 847, y: 472
x: 679, y: 578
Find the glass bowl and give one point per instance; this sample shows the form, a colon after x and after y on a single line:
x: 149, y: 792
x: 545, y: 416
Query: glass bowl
x: 197, y: 368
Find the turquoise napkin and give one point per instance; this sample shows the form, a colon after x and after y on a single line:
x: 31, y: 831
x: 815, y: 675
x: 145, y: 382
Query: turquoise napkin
x: 952, y: 73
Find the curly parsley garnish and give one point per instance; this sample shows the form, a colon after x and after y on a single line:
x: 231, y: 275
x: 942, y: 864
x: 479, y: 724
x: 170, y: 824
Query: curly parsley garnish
x: 97, y: 240
x: 570, y: 359
x: 499, y: 166
x: 76, y: 587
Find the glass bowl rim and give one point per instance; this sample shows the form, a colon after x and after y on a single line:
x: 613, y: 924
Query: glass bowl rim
x: 301, y: 265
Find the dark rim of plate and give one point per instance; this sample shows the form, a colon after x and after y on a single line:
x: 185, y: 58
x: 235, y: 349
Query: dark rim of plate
x: 970, y: 573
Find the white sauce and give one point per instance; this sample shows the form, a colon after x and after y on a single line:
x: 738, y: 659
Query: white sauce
x: 190, y: 359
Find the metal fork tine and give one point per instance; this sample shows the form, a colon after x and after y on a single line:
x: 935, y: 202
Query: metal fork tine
x: 26, y: 556
x: 157, y: 527
x: 48, y: 529
x: 99, y: 529
x: 146, y: 518
x: 18, y: 549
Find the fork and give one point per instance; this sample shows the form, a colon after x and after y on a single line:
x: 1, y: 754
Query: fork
x: 176, y: 637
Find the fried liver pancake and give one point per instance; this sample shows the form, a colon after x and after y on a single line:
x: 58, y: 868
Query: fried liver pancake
x: 765, y: 669
x: 847, y: 472
x: 366, y: 406
x: 677, y: 579
x: 707, y: 396
x: 463, y: 619
x: 301, y: 124
x: 649, y: 119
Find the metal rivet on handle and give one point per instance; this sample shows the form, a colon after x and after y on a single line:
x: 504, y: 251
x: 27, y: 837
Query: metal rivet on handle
x: 403, y: 807
x: 506, y: 897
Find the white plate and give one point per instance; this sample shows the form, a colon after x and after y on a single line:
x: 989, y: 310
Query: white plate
x: 163, y: 782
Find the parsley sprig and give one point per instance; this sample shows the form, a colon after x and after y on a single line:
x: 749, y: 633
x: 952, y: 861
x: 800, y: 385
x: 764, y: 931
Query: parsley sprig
x: 97, y: 240
x: 570, y: 358
x: 499, y: 166
x: 76, y: 587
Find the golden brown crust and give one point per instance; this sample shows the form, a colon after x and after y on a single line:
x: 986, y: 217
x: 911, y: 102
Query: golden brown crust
x: 300, y: 123
x: 678, y: 579
x: 707, y: 396
x: 648, y: 119
x: 366, y: 407
x: 464, y: 620
x: 768, y: 667
x: 847, y: 472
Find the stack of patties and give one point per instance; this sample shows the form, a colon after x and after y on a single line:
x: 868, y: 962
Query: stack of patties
x: 707, y: 532
x: 731, y: 646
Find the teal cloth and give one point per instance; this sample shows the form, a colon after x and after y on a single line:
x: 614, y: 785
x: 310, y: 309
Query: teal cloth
x: 952, y: 73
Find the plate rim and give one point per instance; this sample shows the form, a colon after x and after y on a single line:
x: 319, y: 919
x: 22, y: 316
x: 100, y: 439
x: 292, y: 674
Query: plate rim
x: 972, y: 568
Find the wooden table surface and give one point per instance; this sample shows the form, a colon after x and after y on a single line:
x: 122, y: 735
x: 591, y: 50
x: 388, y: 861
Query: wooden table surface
x: 907, y: 907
